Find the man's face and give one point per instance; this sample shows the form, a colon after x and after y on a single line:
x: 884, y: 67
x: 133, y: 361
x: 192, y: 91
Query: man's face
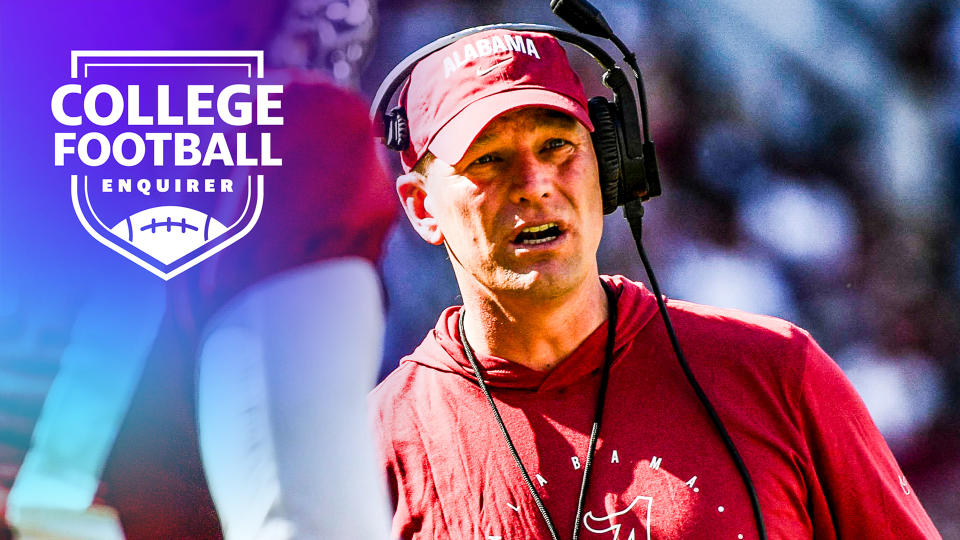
x: 521, y: 211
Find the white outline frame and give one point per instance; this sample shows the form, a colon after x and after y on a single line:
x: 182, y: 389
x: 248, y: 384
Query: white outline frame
x: 75, y: 57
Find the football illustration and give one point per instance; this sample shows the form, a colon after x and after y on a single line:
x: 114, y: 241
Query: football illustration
x: 168, y: 232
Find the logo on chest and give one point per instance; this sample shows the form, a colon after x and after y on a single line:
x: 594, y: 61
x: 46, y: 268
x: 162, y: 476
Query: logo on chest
x: 631, y: 523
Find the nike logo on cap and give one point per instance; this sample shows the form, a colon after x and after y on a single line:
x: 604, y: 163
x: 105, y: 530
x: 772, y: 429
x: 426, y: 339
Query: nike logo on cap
x: 483, y: 71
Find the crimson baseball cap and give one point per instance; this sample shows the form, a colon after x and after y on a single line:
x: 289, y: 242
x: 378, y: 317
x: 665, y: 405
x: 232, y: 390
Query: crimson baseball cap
x: 455, y: 92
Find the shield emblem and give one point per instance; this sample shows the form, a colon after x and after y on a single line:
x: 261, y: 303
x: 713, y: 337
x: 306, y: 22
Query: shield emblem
x: 162, y: 144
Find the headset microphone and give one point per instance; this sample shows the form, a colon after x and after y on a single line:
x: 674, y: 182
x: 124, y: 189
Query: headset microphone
x: 582, y: 16
x: 585, y: 18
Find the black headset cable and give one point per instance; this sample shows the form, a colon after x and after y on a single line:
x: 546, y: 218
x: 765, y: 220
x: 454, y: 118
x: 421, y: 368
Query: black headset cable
x: 634, y: 213
x: 597, y: 416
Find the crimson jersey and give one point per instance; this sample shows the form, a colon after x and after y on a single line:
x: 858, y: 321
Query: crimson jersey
x: 821, y: 468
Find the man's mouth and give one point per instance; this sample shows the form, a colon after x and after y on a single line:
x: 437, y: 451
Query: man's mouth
x: 538, y: 234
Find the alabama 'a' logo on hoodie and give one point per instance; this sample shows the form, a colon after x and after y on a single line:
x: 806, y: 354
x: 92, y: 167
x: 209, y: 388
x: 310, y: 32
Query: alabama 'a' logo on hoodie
x: 631, y: 523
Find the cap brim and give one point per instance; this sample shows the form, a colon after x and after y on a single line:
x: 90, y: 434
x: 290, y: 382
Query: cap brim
x: 453, y: 139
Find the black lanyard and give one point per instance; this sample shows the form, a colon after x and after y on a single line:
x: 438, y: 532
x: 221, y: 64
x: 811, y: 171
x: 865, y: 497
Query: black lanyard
x: 597, y: 415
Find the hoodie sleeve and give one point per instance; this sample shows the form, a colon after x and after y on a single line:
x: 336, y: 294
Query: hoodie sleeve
x: 857, y: 489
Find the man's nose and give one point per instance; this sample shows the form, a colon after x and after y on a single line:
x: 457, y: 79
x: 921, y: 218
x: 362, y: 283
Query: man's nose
x: 533, y: 179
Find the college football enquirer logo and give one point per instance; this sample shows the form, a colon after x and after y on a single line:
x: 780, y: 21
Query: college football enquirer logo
x: 161, y: 144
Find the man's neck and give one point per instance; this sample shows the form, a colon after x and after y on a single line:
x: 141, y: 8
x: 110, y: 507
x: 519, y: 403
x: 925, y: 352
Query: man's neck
x: 533, y: 331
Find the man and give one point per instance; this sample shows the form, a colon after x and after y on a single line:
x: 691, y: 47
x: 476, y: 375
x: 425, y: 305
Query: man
x: 502, y: 172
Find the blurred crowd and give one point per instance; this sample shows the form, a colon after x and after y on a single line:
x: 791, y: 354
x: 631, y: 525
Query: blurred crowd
x: 809, y: 159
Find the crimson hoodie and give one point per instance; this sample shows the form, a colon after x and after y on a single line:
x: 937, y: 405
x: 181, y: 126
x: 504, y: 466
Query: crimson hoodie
x: 660, y: 470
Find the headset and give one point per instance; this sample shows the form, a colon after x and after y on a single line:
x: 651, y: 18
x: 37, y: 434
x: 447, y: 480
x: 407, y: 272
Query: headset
x: 626, y: 161
x: 625, y: 155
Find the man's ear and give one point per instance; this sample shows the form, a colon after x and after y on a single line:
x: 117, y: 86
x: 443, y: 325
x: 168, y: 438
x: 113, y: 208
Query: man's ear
x: 412, y: 190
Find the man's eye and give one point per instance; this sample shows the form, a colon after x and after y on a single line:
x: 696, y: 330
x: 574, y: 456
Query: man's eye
x: 484, y: 159
x: 553, y: 144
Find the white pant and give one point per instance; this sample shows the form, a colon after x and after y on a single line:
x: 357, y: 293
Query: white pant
x: 284, y: 370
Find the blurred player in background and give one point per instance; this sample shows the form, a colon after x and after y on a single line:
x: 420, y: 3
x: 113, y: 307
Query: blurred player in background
x: 295, y: 339
x: 286, y: 358
x: 285, y: 327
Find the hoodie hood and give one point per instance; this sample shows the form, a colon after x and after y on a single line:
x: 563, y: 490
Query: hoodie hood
x: 442, y: 350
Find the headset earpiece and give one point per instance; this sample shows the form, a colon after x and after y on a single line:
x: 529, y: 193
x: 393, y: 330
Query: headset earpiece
x: 396, y: 130
x: 606, y: 145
